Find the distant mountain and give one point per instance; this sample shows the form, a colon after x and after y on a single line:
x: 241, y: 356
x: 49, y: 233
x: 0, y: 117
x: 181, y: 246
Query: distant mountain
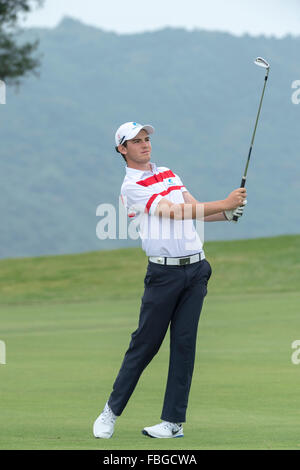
x: 201, y: 92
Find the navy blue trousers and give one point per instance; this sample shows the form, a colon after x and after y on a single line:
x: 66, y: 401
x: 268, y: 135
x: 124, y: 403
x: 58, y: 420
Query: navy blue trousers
x: 173, y: 296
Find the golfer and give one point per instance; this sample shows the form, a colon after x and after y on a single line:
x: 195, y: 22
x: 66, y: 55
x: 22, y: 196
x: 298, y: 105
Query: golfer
x: 175, y: 282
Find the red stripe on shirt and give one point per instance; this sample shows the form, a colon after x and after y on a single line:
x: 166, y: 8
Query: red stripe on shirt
x: 163, y: 193
x: 156, y: 178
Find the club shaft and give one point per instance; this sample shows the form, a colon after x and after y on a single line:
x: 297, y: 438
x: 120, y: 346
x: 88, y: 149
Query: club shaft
x: 243, y: 182
x: 255, y: 127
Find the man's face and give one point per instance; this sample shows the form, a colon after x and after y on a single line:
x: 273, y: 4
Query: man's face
x: 138, y: 150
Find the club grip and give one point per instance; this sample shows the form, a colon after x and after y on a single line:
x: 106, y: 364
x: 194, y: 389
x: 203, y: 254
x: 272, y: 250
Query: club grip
x: 243, y: 184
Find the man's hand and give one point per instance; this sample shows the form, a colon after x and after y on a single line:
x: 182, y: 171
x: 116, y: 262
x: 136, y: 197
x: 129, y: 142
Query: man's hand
x: 235, y: 199
x: 235, y: 212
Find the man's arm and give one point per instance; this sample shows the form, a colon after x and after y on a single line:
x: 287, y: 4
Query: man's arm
x: 219, y: 217
x: 198, y: 210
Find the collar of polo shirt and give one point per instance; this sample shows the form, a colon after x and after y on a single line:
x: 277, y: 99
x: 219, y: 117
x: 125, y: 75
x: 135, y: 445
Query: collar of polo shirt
x: 133, y: 172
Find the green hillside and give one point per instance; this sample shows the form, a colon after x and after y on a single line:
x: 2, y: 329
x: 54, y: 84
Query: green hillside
x: 260, y: 265
x: 57, y: 160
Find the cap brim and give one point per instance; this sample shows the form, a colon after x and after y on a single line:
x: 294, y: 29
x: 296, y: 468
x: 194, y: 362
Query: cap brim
x: 147, y: 128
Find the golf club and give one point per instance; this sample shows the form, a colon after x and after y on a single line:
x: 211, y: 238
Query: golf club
x: 261, y: 63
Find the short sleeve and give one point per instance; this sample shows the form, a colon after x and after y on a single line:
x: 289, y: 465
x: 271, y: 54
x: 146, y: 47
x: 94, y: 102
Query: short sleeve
x: 180, y: 183
x: 137, y: 198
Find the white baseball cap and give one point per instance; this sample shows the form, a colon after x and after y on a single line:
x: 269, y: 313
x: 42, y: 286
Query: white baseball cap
x: 129, y: 130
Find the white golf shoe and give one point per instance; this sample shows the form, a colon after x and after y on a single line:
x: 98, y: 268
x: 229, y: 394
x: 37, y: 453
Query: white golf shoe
x: 105, y: 423
x: 164, y: 430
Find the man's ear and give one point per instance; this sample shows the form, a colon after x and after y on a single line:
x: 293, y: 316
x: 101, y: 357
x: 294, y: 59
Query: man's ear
x: 122, y: 149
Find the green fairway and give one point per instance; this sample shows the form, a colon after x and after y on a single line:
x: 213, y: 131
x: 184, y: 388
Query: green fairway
x: 67, y: 320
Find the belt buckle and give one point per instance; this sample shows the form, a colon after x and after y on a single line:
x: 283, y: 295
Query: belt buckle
x: 184, y: 261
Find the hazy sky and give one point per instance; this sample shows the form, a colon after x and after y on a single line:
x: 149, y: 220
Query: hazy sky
x: 268, y: 17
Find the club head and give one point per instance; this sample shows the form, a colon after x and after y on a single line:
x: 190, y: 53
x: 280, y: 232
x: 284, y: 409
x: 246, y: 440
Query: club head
x: 262, y: 63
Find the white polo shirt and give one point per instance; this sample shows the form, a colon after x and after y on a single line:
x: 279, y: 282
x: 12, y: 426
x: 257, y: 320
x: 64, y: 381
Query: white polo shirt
x: 141, y: 191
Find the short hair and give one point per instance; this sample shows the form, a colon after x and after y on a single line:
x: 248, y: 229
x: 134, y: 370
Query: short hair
x: 117, y: 150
